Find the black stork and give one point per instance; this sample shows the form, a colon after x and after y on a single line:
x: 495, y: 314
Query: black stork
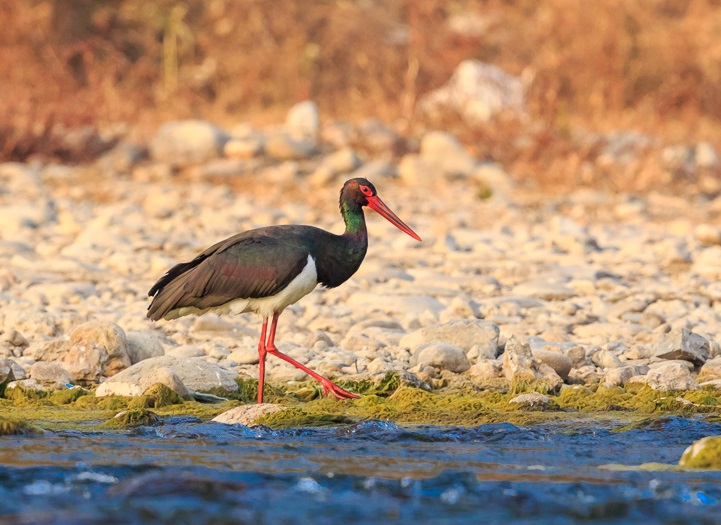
x: 267, y: 269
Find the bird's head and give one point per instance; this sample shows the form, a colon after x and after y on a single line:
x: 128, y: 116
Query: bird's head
x: 362, y: 192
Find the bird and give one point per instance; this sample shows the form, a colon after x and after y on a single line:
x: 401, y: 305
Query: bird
x: 267, y: 269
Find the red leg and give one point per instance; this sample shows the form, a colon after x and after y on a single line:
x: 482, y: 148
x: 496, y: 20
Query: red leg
x: 328, y: 385
x: 261, y: 360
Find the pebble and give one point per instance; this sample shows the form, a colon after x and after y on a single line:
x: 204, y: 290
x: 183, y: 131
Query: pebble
x: 606, y: 288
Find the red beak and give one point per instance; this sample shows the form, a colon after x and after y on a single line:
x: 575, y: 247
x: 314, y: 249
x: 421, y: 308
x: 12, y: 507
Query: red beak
x: 378, y: 205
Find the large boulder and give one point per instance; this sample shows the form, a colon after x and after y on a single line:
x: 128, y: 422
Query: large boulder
x: 104, y: 338
x: 193, y: 373
x: 684, y: 344
x: 476, y: 337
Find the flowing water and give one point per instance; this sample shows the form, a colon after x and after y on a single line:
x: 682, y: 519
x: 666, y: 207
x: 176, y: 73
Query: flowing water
x: 186, y: 471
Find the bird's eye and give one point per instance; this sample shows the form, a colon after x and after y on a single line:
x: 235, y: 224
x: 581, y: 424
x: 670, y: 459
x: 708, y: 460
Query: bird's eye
x: 366, y: 191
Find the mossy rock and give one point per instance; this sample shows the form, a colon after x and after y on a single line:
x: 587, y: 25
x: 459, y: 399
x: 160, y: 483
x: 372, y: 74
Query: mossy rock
x: 156, y: 396
x: 133, y: 418
x: 297, y: 417
x: 16, y: 427
x: 704, y: 453
x: 70, y: 395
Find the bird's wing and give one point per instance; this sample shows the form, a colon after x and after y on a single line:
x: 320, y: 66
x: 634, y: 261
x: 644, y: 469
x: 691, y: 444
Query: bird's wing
x: 243, y: 266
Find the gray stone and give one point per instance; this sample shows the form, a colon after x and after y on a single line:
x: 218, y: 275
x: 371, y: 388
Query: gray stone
x: 53, y: 350
x: 343, y: 161
x: 248, y: 415
x: 605, y: 359
x: 671, y: 376
x: 50, y: 375
x: 144, y: 344
x: 184, y: 142
x: 6, y: 371
x: 195, y: 374
x: 520, y: 365
x: 465, y: 333
x: 107, y: 335
x: 531, y: 399
x: 443, y: 356
x: 684, y: 344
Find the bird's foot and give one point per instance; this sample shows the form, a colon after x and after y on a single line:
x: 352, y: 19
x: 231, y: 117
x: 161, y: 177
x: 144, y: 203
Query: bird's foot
x: 329, y: 386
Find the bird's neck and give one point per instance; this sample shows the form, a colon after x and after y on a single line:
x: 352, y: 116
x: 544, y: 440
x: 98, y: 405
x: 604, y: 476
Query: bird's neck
x: 355, y: 221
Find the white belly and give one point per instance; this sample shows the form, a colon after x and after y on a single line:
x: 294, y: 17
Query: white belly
x: 302, y: 285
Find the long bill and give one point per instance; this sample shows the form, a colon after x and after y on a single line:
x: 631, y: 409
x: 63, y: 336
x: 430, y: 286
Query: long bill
x: 376, y: 204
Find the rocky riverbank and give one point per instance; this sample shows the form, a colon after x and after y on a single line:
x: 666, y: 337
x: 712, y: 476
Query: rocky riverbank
x: 510, y: 291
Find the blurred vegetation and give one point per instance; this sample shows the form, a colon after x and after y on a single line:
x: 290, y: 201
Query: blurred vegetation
x: 653, y: 66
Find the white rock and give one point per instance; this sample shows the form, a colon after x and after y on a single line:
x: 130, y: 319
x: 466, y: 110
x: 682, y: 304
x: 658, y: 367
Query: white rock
x: 671, y: 376
x: 108, y: 336
x: 195, y: 374
x: 247, y: 414
x: 446, y: 155
x: 706, y: 156
x: 444, y: 356
x: 303, y: 121
x: 476, y: 92
x: 184, y: 142
x: 531, y: 399
x: 466, y: 334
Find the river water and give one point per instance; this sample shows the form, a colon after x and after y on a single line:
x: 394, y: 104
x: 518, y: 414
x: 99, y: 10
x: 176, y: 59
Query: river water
x: 185, y: 471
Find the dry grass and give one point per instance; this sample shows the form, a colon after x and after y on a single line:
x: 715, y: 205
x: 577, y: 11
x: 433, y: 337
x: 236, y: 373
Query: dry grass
x: 653, y: 66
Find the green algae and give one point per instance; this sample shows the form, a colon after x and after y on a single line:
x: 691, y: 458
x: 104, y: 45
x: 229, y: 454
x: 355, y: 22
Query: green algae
x: 133, y: 418
x: 16, y: 427
x: 704, y: 454
x: 391, y: 398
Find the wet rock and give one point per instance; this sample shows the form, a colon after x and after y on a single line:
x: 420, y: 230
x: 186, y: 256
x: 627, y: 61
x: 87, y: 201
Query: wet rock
x: 684, y: 344
x: 303, y: 121
x: 531, y: 399
x: 560, y: 363
x: 144, y: 345
x: 671, y: 376
x: 704, y: 453
x: 195, y: 374
x: 248, y: 415
x: 478, y: 338
x: 443, y: 356
x: 103, y: 335
x: 476, y: 92
x: 710, y: 370
x: 184, y: 142
x: 51, y: 376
